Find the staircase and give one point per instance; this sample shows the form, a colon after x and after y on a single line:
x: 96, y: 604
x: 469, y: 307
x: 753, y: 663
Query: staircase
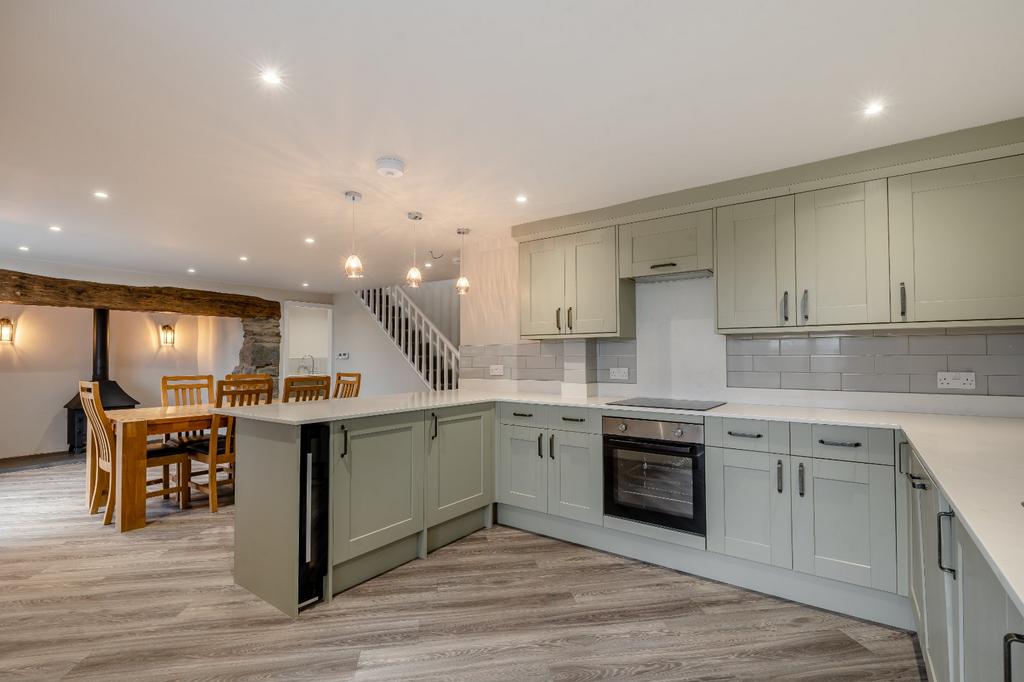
x: 425, y: 348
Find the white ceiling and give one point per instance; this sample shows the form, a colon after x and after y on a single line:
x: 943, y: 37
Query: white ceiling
x: 578, y: 104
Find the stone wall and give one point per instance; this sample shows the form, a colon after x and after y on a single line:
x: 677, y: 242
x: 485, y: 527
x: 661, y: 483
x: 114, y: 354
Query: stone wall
x: 261, y: 347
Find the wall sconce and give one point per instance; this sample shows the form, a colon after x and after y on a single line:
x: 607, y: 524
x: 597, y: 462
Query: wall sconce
x: 167, y: 335
x: 6, y: 331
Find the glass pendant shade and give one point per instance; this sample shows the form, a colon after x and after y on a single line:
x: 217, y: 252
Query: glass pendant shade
x: 353, y: 267
x: 413, y: 278
x: 462, y: 285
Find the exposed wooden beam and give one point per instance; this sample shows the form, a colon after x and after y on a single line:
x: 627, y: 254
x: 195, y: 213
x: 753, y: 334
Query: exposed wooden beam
x: 25, y: 289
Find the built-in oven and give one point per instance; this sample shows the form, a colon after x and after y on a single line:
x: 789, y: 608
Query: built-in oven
x: 654, y: 473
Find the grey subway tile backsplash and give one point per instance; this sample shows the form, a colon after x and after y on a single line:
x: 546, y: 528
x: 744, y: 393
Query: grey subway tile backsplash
x: 572, y: 360
x: 891, y: 361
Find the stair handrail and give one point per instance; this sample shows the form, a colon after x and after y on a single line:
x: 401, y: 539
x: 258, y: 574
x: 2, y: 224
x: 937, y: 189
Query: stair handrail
x: 410, y: 329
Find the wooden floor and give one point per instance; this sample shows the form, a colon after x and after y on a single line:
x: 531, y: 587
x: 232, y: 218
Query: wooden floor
x: 79, y: 601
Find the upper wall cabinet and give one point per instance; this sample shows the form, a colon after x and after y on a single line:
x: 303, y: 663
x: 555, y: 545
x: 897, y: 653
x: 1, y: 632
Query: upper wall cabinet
x: 754, y: 265
x: 956, y: 236
x: 569, y: 286
x: 842, y: 255
x: 676, y: 245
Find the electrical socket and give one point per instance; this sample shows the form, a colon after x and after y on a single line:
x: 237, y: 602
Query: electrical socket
x: 343, y: 355
x: 496, y: 370
x: 619, y: 373
x: 963, y: 381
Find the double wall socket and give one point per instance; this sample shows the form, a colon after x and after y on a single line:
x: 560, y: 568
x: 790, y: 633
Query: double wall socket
x: 962, y: 381
x: 496, y: 370
x: 619, y: 373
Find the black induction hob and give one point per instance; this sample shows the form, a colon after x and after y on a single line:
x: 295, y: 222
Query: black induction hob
x: 669, y: 403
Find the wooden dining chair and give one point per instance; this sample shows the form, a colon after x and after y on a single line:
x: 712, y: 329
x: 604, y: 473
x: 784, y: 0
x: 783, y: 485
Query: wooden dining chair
x: 104, y: 447
x: 307, y: 387
x: 347, y: 384
x: 186, y: 389
x: 218, y: 454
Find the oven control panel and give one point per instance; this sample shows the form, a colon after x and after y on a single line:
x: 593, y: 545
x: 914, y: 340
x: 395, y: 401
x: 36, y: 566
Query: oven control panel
x: 676, y: 432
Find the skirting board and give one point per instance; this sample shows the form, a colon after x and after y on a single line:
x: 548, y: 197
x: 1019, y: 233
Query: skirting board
x: 852, y: 600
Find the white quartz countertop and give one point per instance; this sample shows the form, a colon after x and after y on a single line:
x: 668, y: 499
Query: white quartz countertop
x: 977, y: 462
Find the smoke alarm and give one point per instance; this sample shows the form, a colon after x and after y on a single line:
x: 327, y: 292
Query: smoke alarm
x: 390, y: 167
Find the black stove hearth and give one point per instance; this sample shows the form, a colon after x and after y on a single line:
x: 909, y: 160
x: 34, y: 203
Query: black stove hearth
x: 112, y: 395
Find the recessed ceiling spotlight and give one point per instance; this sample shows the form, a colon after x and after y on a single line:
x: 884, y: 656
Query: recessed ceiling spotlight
x: 874, y: 108
x: 191, y: 271
x: 310, y: 240
x: 55, y: 228
x: 100, y: 194
x: 390, y: 167
x: 521, y: 199
x: 271, y: 77
x: 305, y: 284
x: 22, y: 248
x: 428, y: 265
x: 243, y: 258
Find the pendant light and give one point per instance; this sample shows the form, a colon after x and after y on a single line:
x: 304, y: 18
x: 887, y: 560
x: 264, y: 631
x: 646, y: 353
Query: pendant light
x: 353, y: 266
x: 413, y: 278
x: 462, y: 283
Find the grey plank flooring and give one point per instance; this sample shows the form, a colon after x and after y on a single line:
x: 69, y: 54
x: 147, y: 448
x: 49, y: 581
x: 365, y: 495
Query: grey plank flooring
x: 81, y: 602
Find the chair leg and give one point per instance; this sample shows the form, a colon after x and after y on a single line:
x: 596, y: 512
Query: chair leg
x: 108, y: 512
x: 167, y: 480
x: 213, y: 487
x: 185, y: 480
x: 99, y: 484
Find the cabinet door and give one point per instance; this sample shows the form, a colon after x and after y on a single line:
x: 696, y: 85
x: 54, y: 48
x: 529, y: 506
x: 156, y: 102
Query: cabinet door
x: 842, y: 255
x: 663, y: 246
x: 980, y: 614
x: 916, y: 550
x: 541, y: 287
x: 575, y: 476
x: 460, y: 461
x: 844, y: 520
x: 956, y: 238
x: 591, y: 282
x: 378, y: 484
x: 749, y: 505
x: 1015, y: 624
x: 755, y: 264
x: 522, y: 468
x: 937, y: 650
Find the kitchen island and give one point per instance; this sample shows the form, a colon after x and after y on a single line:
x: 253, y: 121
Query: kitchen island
x: 332, y: 493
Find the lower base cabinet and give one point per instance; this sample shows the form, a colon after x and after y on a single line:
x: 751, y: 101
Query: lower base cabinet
x: 553, y: 472
x: 459, y: 461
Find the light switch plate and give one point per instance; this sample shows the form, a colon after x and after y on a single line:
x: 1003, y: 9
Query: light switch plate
x: 497, y: 370
x: 619, y: 373
x: 963, y: 381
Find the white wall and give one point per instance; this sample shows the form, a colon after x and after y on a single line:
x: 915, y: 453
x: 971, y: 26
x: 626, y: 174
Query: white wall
x: 680, y: 355
x: 219, y: 340
x: 52, y: 352
x: 490, y: 311
x: 440, y: 303
x: 384, y: 368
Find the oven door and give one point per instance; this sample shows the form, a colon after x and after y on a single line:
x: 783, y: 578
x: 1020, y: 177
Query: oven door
x: 655, y: 482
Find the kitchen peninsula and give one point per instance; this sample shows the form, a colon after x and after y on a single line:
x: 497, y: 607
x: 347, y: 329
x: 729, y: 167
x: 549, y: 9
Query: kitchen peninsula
x: 332, y: 493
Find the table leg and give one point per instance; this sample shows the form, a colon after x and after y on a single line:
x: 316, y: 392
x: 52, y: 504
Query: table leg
x: 131, y: 475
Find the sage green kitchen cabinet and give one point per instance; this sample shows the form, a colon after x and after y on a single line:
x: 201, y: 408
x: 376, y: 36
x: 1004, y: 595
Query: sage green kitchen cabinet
x: 672, y: 245
x: 523, y: 468
x: 377, y: 489
x: 844, y: 521
x: 460, y: 461
x: 748, y: 505
x: 755, y: 267
x: 1015, y: 625
x: 842, y: 255
x: 569, y: 286
x: 956, y: 238
x: 575, y: 476
x: 541, y: 287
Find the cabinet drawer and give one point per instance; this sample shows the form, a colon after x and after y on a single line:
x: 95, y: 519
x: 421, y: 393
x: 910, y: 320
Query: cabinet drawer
x: 845, y: 443
x: 664, y: 246
x: 581, y: 419
x: 747, y: 434
x: 523, y: 415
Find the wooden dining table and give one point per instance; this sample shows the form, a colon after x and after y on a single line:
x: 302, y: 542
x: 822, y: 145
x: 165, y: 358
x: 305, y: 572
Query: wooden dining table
x: 132, y: 428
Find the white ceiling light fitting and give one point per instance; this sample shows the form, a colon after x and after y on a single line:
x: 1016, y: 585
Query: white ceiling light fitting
x: 100, y: 194
x: 874, y: 108
x: 521, y: 199
x: 353, y: 266
x: 462, y: 283
x: 414, y: 278
x: 390, y: 167
x: 271, y: 77
x: 55, y: 228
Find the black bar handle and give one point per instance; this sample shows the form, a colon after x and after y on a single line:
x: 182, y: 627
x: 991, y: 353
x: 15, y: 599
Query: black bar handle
x: 840, y: 443
x: 344, y: 442
x: 568, y: 318
x: 778, y: 475
x: 740, y: 434
x: 663, y: 265
x: 558, y: 319
x: 540, y: 445
x: 800, y: 479
x: 938, y: 523
x: 551, y: 446
x: 434, y: 434
x: 522, y: 414
x: 918, y: 485
x: 578, y: 420
x: 903, y: 299
x: 785, y: 306
x: 1008, y: 641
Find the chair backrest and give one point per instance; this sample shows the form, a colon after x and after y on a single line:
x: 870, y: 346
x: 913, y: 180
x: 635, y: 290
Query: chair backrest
x: 241, y: 392
x: 303, y: 388
x: 347, y: 384
x: 102, y: 428
x: 238, y: 377
x: 186, y: 390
